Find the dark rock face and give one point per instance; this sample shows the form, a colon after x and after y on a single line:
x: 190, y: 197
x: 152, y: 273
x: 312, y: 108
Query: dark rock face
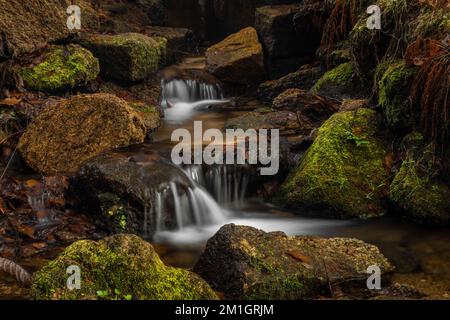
x: 179, y: 40
x: 117, y: 188
x: 315, y: 108
x: 228, y: 16
x: 275, y: 28
x: 246, y: 263
x: 309, y: 22
x: 304, y: 79
x: 28, y: 26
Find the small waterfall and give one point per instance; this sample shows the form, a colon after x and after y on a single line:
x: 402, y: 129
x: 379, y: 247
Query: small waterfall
x: 189, y: 91
x: 227, y: 184
x: 175, y: 206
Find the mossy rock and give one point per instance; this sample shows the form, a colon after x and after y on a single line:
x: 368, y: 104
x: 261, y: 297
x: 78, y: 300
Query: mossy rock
x: 343, y: 172
x: 61, y: 67
x: 127, y: 57
x: 393, y: 94
x: 339, y: 83
x: 416, y: 188
x: 246, y: 263
x: 71, y: 131
x: 403, y: 21
x: 121, y: 267
x: 149, y: 113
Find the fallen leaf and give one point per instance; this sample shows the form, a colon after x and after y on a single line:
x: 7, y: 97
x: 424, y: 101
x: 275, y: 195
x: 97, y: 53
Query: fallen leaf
x: 10, y: 102
x: 297, y: 255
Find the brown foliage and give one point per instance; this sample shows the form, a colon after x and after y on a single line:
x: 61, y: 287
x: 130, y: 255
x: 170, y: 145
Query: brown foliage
x: 343, y: 17
x: 430, y: 90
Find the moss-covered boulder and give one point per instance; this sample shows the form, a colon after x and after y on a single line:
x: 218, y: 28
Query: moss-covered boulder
x: 246, y: 263
x: 61, y: 67
x: 121, y: 267
x: 237, y: 59
x: 393, y: 94
x: 72, y: 131
x: 127, y: 57
x: 339, y: 83
x: 417, y: 189
x: 343, y: 173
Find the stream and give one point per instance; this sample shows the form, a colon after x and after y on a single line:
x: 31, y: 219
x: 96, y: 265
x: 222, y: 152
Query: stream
x: 218, y: 196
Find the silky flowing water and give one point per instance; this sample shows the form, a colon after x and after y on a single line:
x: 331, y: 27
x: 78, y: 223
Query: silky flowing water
x: 218, y: 196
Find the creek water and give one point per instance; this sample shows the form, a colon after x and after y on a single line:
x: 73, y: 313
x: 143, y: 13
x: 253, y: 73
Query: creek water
x: 420, y: 254
x: 218, y: 195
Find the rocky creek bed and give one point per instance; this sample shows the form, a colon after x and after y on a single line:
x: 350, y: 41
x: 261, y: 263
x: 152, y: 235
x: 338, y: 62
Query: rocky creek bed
x: 86, y: 176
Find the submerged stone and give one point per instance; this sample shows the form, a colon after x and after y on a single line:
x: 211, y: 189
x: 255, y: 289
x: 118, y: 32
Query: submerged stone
x: 122, y: 267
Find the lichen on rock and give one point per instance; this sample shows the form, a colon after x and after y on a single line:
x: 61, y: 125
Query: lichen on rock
x: 343, y: 172
x: 61, y: 67
x: 122, y: 267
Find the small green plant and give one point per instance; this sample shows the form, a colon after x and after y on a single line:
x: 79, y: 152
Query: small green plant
x: 116, y: 295
x: 359, y: 141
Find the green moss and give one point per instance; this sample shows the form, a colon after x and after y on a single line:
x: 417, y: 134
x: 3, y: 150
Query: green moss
x: 123, y: 266
x: 129, y: 56
x: 343, y: 172
x: 416, y: 188
x: 336, y: 77
x: 61, y: 68
x: 393, y: 92
x: 422, y: 198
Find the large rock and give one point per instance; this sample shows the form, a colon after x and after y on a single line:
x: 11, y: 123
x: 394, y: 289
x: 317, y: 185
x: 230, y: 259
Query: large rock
x: 127, y: 57
x: 119, y: 190
x: 275, y: 27
x: 228, y: 16
x: 343, y: 172
x: 304, y: 79
x: 237, y: 59
x: 393, y: 94
x: 246, y: 263
x: 123, y: 267
x: 340, y: 83
x: 417, y: 189
x: 28, y: 26
x: 312, y: 110
x: 66, y: 134
x: 61, y: 67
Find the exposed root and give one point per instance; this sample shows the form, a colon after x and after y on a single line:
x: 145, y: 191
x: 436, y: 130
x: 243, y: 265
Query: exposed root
x: 14, y: 269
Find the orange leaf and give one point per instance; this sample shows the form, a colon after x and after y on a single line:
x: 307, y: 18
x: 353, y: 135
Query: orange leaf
x: 10, y: 101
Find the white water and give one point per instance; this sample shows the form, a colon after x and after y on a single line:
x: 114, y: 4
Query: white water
x: 217, y: 194
x: 182, y: 98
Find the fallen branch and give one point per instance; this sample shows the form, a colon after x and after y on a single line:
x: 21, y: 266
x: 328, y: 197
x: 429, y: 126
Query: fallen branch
x: 15, y: 270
